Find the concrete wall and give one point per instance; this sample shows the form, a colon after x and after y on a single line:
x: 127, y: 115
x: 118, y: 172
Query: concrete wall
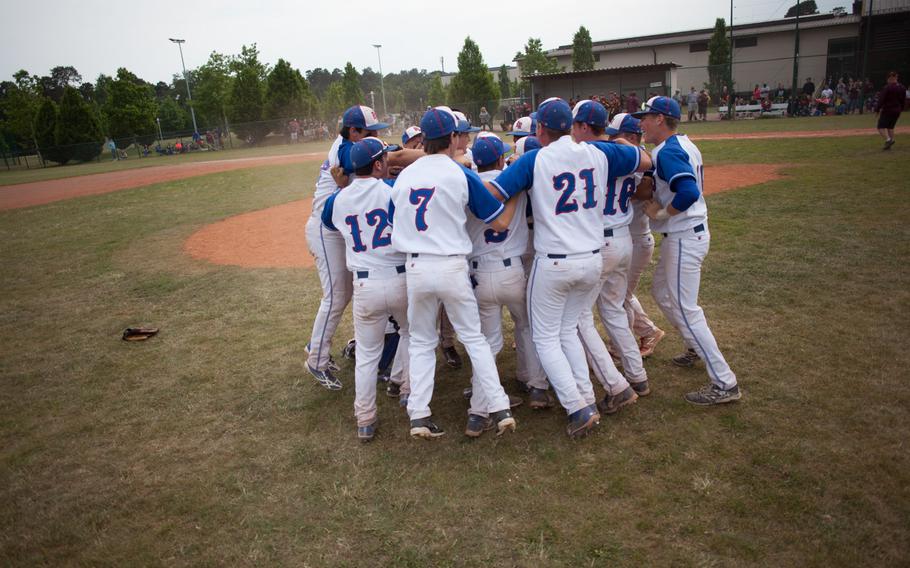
x: 583, y: 87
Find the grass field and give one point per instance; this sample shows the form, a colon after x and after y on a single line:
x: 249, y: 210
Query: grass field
x: 210, y: 445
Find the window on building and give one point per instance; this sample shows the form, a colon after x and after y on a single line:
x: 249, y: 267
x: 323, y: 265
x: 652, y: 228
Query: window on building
x: 745, y: 41
x: 698, y: 46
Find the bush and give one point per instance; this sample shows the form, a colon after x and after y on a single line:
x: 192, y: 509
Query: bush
x: 78, y: 133
x: 46, y: 133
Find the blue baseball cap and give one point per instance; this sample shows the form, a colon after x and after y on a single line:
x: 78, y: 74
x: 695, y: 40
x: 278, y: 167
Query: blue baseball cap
x: 365, y: 152
x: 362, y: 117
x: 659, y: 105
x: 590, y: 112
x: 527, y: 144
x: 624, y: 122
x: 487, y: 149
x: 438, y: 122
x: 555, y: 113
x: 524, y: 126
x: 463, y: 125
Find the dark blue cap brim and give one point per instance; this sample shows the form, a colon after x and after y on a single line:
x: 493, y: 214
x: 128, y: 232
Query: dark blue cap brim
x: 518, y: 133
x: 377, y: 126
x: 611, y: 131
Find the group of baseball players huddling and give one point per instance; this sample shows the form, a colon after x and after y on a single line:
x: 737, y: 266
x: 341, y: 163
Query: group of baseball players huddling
x: 435, y: 230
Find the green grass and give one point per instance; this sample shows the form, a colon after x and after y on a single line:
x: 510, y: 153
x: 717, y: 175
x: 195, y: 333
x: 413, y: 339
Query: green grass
x: 209, y: 445
x: 866, y: 121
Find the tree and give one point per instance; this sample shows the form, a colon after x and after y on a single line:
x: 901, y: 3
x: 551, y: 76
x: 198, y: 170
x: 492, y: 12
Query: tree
x: 286, y: 93
x: 350, y: 85
x: 320, y: 79
x: 212, y: 89
x: 19, y: 107
x: 505, y: 86
x: 333, y: 102
x: 78, y: 132
x: 534, y: 61
x: 582, y: 50
x: 60, y: 78
x: 437, y: 93
x: 719, y: 60
x: 130, y: 109
x: 46, y: 132
x: 247, y: 101
x: 174, y: 118
x: 806, y: 8
x: 473, y: 86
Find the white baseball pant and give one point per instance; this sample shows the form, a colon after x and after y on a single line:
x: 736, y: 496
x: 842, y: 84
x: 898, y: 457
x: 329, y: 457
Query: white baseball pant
x: 327, y: 248
x: 499, y: 285
x: 377, y: 293
x: 642, y: 252
x: 677, y: 277
x: 443, y: 280
x: 559, y: 290
x: 617, y: 256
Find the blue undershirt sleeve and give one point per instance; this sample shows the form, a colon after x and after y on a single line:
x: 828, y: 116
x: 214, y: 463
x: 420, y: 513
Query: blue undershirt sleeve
x: 623, y: 159
x: 686, y: 189
x: 327, y: 211
x: 344, y: 157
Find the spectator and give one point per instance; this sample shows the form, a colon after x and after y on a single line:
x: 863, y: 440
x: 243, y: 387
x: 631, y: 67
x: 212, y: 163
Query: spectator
x: 692, y: 100
x: 484, y: 116
x: 633, y: 104
x: 781, y: 93
x: 756, y: 95
x: 890, y: 104
x: 112, y: 146
x: 294, y: 130
x: 853, y: 93
x: 809, y: 87
x: 678, y: 98
x: 764, y: 92
x: 703, y: 105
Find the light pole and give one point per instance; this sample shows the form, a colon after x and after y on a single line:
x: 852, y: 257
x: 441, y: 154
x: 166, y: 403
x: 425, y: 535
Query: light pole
x: 385, y: 111
x: 160, y: 136
x: 186, y: 80
x: 372, y: 100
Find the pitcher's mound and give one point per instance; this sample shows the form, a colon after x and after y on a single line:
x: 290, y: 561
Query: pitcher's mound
x: 275, y: 237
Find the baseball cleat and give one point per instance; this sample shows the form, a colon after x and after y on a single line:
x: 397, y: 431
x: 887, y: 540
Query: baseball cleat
x: 686, y: 359
x: 612, y: 403
x: 477, y: 425
x: 712, y: 394
x: 424, y: 428
x: 403, y: 401
x: 453, y: 359
x: 367, y: 433
x: 649, y: 342
x: 504, y: 421
x: 325, y: 378
x: 539, y: 399
x: 888, y: 144
x: 515, y: 401
x: 393, y: 390
x: 641, y: 388
x: 467, y: 393
x: 382, y: 378
x: 333, y: 366
x: 348, y: 351
x: 522, y: 386
x: 582, y: 421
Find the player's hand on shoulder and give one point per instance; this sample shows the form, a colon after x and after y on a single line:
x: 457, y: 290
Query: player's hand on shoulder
x: 341, y: 179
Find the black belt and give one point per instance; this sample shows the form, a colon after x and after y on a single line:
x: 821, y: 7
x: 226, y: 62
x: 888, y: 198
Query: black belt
x: 506, y: 262
x: 366, y: 273
x: 566, y: 256
x: 417, y: 254
x: 700, y: 228
x: 608, y: 233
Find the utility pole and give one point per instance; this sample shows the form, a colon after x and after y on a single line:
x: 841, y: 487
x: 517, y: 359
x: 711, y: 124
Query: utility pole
x: 186, y: 80
x: 796, y: 56
x: 385, y: 110
x: 442, y: 63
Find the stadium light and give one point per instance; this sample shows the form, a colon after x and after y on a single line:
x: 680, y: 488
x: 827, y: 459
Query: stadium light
x: 385, y: 111
x: 186, y: 80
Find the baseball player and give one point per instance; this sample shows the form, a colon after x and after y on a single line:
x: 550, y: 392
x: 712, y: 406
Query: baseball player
x: 361, y: 214
x: 627, y: 127
x: 566, y: 182
x: 432, y: 198
x: 589, y: 121
x: 327, y: 247
x: 679, y: 212
x: 412, y: 138
x: 524, y: 126
x: 499, y: 279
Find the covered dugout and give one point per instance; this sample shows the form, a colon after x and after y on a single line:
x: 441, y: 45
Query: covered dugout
x: 659, y: 78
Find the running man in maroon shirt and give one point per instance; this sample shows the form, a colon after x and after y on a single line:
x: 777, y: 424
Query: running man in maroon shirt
x: 890, y: 104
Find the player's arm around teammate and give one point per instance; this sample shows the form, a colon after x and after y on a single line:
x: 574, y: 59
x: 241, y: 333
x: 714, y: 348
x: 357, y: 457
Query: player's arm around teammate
x: 362, y: 214
x: 680, y: 213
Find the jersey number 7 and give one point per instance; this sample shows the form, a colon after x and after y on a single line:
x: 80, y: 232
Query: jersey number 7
x: 421, y: 198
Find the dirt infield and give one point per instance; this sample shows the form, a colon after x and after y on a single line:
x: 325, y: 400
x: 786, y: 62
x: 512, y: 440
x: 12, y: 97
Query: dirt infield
x: 274, y: 237
x: 39, y: 193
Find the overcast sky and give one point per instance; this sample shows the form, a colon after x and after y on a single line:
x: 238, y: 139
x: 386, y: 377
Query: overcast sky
x: 100, y: 36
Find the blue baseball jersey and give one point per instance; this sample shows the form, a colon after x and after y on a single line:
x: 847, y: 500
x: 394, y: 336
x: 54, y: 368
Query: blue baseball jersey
x: 432, y: 198
x: 568, y: 183
x: 674, y: 158
x: 362, y: 212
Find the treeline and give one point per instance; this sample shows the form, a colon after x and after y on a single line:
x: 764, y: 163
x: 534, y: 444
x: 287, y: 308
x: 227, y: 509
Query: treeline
x: 67, y: 119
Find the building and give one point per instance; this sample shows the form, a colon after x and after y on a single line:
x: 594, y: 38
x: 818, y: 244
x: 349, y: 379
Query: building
x: 830, y: 46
